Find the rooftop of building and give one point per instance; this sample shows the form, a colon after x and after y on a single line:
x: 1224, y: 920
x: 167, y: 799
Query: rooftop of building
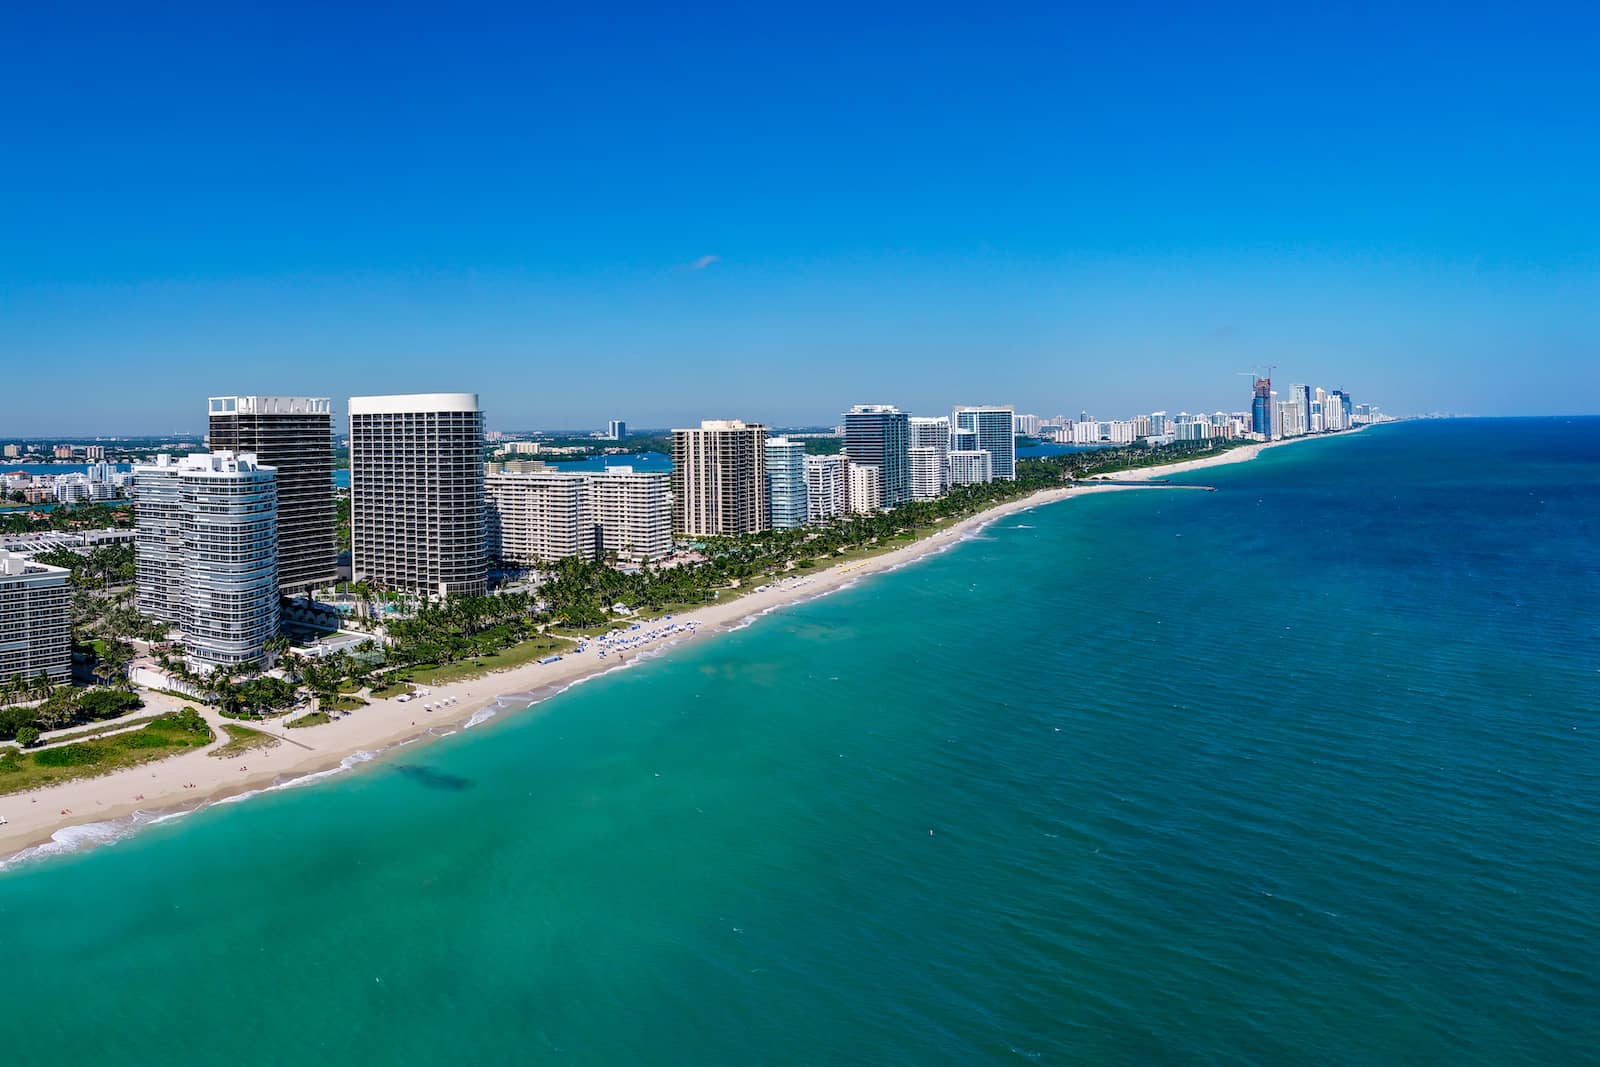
x: 414, y: 403
x: 270, y: 405
x: 726, y: 424
x: 14, y: 566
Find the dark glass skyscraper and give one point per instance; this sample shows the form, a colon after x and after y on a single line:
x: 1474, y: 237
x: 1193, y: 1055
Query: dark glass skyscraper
x: 293, y: 434
x: 1261, y: 408
x: 879, y: 435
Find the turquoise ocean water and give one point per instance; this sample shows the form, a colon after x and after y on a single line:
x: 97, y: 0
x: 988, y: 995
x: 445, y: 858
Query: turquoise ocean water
x: 1306, y: 770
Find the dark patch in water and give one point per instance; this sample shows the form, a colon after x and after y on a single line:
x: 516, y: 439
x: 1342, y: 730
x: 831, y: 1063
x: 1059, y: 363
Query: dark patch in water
x: 433, y: 779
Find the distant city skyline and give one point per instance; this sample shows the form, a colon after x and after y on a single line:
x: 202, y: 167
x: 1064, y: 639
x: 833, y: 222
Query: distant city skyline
x: 674, y: 216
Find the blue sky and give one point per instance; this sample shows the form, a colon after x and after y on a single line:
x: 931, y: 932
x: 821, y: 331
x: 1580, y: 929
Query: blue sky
x: 664, y: 215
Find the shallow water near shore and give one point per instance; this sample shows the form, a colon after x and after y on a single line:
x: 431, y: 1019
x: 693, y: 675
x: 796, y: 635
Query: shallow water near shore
x: 1303, y: 770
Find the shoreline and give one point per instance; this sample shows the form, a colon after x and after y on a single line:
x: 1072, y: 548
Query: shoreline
x: 68, y: 817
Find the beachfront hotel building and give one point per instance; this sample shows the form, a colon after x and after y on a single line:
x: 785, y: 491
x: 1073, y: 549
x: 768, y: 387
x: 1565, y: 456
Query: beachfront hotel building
x: 35, y: 635
x: 866, y: 489
x: 878, y: 435
x: 995, y: 428
x: 719, y: 479
x: 633, y: 510
x: 206, y: 552
x: 786, y: 483
x: 293, y: 435
x: 827, y: 487
x: 970, y: 466
x: 930, y: 476
x: 416, y: 493
x: 538, y: 516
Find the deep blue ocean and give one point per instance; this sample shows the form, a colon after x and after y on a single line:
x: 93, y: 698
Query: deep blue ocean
x: 1302, y: 771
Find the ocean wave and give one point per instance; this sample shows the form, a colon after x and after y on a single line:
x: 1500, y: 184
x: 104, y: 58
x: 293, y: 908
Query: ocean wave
x: 70, y: 839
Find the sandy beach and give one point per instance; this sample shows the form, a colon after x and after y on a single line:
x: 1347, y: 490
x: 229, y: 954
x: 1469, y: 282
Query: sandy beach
x: 81, y: 813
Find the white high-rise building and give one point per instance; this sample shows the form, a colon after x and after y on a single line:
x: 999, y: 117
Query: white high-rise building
x: 207, y: 553
x: 995, y: 427
x: 616, y: 429
x: 158, y: 540
x: 416, y: 493
x: 925, y: 471
x: 931, y: 433
x: 1027, y: 425
x: 230, y: 557
x: 827, y: 487
x: 786, y: 483
x: 866, y: 488
x: 633, y: 510
x: 35, y: 634
x: 1119, y: 432
x: 538, y: 516
x: 970, y: 466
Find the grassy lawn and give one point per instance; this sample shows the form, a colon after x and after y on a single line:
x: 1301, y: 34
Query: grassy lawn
x: 165, y: 736
x: 316, y: 718
x: 393, y: 689
x: 241, y: 740
x: 90, y: 731
x: 345, y: 703
x: 515, y: 656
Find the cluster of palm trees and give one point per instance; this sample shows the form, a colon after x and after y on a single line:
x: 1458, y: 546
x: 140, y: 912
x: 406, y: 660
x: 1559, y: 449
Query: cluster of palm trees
x: 462, y: 628
x: 20, y: 688
x: 97, y: 568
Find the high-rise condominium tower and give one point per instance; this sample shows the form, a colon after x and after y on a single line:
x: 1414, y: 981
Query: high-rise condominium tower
x: 207, y: 553
x: 633, y: 511
x: 971, y: 466
x: 294, y: 435
x: 416, y: 493
x: 35, y: 636
x: 786, y: 483
x: 1261, y: 408
x: 930, y: 471
x: 995, y: 428
x: 879, y: 435
x: 827, y: 487
x: 719, y: 479
x: 539, y: 516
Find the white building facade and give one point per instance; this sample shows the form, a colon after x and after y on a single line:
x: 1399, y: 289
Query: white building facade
x: 633, y: 511
x: 971, y: 466
x: 538, y: 516
x: 206, y: 553
x: 827, y: 488
x: 35, y: 634
x: 995, y: 429
x: 866, y: 489
x: 929, y: 479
